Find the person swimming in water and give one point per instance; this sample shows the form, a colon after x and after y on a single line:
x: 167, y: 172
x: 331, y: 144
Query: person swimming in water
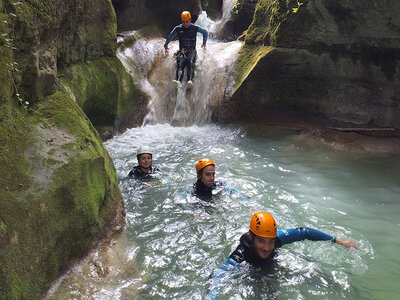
x: 145, y: 167
x: 259, y: 246
x: 206, y: 186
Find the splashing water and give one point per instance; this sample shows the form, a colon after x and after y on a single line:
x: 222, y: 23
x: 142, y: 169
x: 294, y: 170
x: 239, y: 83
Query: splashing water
x: 171, y: 250
x: 214, y: 27
x: 213, y: 80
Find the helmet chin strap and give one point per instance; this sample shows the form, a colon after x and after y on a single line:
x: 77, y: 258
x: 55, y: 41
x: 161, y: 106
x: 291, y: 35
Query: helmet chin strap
x: 145, y: 167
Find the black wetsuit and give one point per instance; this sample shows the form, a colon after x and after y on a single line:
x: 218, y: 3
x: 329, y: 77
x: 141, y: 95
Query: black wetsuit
x: 186, y: 56
x: 138, y: 173
x: 245, y: 252
x: 204, y: 192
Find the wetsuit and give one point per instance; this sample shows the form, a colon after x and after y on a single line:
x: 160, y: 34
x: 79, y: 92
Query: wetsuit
x: 245, y: 252
x: 204, y: 192
x: 187, y: 48
x: 138, y: 173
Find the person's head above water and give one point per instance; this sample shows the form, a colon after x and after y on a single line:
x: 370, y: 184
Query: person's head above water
x: 186, y: 18
x: 205, y: 169
x: 144, y: 157
x: 263, y: 233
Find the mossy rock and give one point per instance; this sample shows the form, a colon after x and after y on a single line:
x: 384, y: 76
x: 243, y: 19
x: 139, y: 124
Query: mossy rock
x: 45, y: 220
x: 248, y: 58
x: 105, y: 92
x: 276, y: 24
x: 213, y: 8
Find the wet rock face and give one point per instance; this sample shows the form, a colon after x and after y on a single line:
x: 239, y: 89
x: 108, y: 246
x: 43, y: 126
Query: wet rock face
x: 135, y: 14
x: 54, y: 35
x: 213, y: 8
x: 242, y: 15
x: 341, y: 59
x: 49, y: 35
x: 58, y: 186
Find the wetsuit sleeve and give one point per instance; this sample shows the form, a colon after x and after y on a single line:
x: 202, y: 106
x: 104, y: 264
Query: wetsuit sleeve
x: 299, y: 234
x: 170, y: 36
x: 134, y: 173
x: 220, y: 275
x: 204, y: 32
x: 234, y: 191
x: 182, y: 198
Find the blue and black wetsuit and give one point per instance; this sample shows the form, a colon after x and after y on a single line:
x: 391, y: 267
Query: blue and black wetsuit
x: 245, y: 252
x: 139, y: 174
x: 187, y: 48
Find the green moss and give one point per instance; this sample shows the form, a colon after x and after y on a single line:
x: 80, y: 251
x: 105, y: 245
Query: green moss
x: 103, y: 89
x: 153, y: 30
x: 6, y: 60
x: 268, y: 17
x: 30, y: 11
x: 14, y: 140
x: 248, y: 59
x: 69, y: 146
x: 3, y: 228
x: 47, y: 219
x: 40, y: 232
x: 50, y: 161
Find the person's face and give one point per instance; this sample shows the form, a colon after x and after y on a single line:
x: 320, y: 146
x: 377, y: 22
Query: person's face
x: 186, y: 23
x: 145, y: 160
x: 208, y: 175
x: 263, y: 246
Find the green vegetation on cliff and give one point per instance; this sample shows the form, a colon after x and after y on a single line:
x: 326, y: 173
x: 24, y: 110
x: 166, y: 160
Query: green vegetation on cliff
x: 103, y: 89
x: 248, y: 59
x: 268, y: 17
x: 58, y: 186
x: 58, y: 189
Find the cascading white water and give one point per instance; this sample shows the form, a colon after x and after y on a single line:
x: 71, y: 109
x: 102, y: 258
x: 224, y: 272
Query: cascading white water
x: 216, y: 26
x: 155, y: 69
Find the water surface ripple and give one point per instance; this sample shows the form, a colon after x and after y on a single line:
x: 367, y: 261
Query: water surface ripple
x: 172, y: 242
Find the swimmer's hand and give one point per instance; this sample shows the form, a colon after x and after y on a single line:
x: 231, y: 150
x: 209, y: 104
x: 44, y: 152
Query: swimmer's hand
x: 347, y: 243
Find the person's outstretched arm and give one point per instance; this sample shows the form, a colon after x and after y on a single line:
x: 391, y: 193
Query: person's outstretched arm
x: 220, y: 275
x: 299, y: 234
x: 231, y: 190
x: 204, y: 32
x: 170, y: 36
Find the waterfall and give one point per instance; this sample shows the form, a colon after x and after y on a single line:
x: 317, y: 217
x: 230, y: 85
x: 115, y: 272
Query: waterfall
x: 215, y: 27
x: 154, y: 69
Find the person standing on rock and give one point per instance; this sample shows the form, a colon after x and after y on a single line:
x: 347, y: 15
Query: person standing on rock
x: 186, y: 56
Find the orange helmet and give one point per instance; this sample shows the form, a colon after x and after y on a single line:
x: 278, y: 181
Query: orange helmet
x: 263, y: 224
x: 185, y: 15
x: 203, y: 163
